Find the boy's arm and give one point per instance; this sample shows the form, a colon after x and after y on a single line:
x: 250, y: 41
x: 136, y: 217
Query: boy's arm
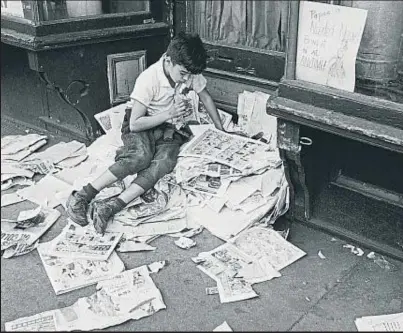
x: 140, y: 122
x: 211, y: 108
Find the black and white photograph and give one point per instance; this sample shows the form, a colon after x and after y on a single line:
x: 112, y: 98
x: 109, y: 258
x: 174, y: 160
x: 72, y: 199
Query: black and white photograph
x: 202, y: 165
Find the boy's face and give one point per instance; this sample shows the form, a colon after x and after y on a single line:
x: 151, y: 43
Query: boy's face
x: 178, y: 73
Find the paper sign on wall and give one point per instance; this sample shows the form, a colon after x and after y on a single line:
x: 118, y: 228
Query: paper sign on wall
x: 328, y: 40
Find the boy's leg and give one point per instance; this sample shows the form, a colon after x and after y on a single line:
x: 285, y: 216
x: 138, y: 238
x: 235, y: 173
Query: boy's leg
x: 163, y: 162
x: 134, y: 156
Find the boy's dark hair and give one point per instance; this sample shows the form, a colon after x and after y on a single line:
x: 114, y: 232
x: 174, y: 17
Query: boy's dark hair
x: 188, y: 50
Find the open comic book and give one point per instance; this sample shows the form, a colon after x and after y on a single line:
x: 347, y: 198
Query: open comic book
x: 84, y: 243
x: 233, y: 150
x: 128, y: 295
x: 67, y: 274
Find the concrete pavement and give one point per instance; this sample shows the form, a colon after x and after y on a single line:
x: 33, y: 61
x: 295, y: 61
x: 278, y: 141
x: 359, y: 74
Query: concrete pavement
x: 313, y: 294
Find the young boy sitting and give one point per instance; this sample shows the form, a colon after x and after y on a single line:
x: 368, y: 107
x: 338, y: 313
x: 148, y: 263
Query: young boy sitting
x: 150, y: 140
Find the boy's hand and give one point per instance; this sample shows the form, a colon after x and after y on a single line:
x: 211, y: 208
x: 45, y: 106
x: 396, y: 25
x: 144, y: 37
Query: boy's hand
x: 178, y: 110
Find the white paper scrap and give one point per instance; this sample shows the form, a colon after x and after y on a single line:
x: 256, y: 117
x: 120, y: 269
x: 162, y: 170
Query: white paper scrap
x: 44, y: 191
x: 10, y: 199
x: 224, y: 327
x: 185, y: 243
x: 156, y: 266
x: 321, y: 255
x: 383, y: 323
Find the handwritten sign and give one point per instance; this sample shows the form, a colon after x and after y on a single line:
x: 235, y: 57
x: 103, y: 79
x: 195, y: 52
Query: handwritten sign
x: 12, y: 7
x: 328, y: 40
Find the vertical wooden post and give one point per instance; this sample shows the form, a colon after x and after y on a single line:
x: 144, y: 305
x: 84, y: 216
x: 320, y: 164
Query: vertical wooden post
x: 291, y: 51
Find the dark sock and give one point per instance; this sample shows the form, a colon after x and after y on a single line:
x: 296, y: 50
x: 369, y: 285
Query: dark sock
x: 88, y: 191
x: 120, y: 204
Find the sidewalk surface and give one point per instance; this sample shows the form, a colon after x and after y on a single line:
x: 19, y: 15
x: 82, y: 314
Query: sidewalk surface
x: 313, y: 294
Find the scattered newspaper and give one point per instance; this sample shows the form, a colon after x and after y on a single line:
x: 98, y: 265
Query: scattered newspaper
x: 12, y: 235
x: 84, y: 243
x: 128, y: 295
x: 204, y: 117
x: 268, y: 247
x: 21, y: 181
x: 233, y: 150
x: 253, y: 118
x: 42, y: 167
x: 207, y: 185
x: 67, y: 274
x: 225, y: 224
x: 19, y: 250
x: 20, y: 155
x: 130, y: 243
x: 10, y: 199
x: 233, y: 289
x: 13, y: 144
x: 111, y: 119
x: 45, y: 191
x: 149, y: 229
x: 383, y: 323
x: 42, y: 322
x: 10, y: 170
x: 57, y: 152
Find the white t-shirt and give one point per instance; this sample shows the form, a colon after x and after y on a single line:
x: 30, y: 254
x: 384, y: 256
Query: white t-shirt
x: 153, y: 89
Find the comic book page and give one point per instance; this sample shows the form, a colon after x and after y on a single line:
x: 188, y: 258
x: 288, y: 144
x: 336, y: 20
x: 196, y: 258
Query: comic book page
x: 128, y: 295
x: 84, y: 243
x: 268, y: 247
x: 233, y: 150
x: 67, y: 274
x: 233, y: 289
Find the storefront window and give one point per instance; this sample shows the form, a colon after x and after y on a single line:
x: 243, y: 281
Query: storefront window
x: 245, y: 38
x: 64, y: 9
x: 256, y: 24
x: 17, y: 8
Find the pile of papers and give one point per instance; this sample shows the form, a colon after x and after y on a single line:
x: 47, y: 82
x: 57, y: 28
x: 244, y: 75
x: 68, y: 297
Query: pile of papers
x: 230, y: 184
x: 20, y: 162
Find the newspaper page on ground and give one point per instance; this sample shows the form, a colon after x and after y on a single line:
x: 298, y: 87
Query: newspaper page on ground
x: 128, y: 295
x: 383, y: 323
x: 67, y: 274
x: 227, y: 258
x: 233, y: 289
x: 12, y: 234
x: 268, y: 247
x: 84, y: 243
